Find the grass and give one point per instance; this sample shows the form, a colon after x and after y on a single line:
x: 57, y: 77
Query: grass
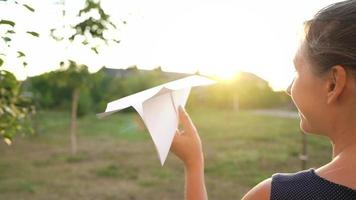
x: 117, y: 159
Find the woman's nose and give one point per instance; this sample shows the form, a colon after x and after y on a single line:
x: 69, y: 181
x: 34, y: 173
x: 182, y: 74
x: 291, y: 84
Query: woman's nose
x: 288, y: 91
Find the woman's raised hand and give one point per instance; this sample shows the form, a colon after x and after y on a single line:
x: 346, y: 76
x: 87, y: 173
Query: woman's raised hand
x: 186, y: 144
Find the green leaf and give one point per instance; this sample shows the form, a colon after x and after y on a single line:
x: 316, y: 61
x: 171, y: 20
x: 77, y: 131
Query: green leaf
x: 95, y: 50
x: 20, y: 54
x: 7, y: 22
x: 6, y: 39
x: 10, y: 31
x: 29, y: 7
x: 35, y: 34
x: 85, y: 42
x: 113, y: 25
x: 54, y: 36
x: 1, y: 62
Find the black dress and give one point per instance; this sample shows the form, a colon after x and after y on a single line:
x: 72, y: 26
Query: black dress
x: 307, y: 185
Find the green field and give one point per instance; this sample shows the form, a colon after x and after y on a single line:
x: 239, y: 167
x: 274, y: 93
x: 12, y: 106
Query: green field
x: 117, y: 160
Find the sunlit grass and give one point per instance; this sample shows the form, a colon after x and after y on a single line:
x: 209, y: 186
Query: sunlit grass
x: 118, y: 160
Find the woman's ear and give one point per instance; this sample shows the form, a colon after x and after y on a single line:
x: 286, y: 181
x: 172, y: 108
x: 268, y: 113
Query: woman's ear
x: 336, y: 83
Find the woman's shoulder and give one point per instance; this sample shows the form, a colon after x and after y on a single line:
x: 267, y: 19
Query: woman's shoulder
x: 299, y: 176
x: 307, y: 185
x: 263, y: 190
x: 304, y: 184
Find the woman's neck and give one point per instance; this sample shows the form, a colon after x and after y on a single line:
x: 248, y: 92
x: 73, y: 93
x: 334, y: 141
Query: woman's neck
x: 344, y: 144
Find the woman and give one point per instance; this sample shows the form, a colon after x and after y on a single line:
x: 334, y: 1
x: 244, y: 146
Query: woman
x: 324, y: 91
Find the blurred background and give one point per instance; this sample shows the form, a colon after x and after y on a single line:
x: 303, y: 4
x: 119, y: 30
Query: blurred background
x: 62, y: 61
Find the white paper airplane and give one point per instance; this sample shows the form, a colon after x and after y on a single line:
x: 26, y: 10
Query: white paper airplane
x: 158, y: 107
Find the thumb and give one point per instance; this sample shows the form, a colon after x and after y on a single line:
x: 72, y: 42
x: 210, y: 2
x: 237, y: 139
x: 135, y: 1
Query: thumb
x: 185, y: 120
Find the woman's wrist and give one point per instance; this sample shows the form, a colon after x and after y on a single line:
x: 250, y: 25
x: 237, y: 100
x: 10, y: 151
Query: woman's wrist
x: 195, y: 183
x: 194, y: 165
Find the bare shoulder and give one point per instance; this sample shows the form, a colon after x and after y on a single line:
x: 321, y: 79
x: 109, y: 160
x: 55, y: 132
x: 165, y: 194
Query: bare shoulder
x: 262, y: 191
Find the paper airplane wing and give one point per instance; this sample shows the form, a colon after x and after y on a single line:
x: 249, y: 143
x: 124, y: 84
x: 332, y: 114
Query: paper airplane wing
x: 158, y: 108
x: 128, y: 101
x: 137, y: 99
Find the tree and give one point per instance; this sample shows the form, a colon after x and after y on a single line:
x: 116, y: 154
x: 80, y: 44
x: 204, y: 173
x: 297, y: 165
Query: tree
x: 245, y: 91
x: 92, y: 29
x: 91, y: 32
x: 75, y: 78
x: 15, y: 109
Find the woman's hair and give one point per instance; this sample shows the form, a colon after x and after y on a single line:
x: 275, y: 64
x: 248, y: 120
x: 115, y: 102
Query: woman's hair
x: 331, y: 37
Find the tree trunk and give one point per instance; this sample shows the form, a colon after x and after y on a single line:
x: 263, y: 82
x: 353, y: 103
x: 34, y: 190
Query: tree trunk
x: 73, y: 127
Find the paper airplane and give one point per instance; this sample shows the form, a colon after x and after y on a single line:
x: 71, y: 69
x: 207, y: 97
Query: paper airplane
x: 158, y: 107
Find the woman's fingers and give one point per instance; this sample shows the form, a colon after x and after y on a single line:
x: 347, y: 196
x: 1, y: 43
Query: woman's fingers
x: 185, y: 120
x: 186, y: 143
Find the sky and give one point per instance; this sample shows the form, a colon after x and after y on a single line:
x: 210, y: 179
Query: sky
x: 214, y: 37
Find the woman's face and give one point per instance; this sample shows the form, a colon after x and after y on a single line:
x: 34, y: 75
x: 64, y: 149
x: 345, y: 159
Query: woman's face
x: 307, y: 93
